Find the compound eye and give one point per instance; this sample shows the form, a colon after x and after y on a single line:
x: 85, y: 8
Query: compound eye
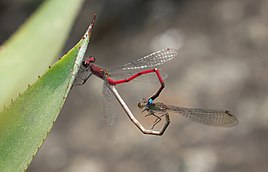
x: 140, y: 105
x: 84, y: 63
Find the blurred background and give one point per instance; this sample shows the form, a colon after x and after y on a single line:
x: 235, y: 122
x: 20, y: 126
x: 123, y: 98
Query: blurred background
x: 222, y: 63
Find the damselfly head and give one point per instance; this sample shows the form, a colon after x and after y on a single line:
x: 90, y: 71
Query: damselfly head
x: 89, y: 60
x: 142, y: 103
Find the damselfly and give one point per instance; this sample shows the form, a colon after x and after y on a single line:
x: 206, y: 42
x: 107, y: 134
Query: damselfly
x: 136, y: 69
x: 212, y: 117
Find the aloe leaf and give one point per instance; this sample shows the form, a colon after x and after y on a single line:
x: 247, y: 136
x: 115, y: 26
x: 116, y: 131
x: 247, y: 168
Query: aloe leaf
x: 34, y: 46
x: 25, y: 123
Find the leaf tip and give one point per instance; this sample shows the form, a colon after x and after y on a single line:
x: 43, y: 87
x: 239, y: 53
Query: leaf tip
x: 90, y: 28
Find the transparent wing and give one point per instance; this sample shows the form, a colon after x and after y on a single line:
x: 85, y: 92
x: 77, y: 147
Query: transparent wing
x: 108, y: 105
x: 206, y: 116
x: 82, y: 76
x: 149, y: 77
x: 149, y: 61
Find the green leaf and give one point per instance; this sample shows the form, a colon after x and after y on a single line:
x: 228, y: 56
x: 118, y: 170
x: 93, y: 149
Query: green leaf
x: 34, y: 46
x: 25, y: 123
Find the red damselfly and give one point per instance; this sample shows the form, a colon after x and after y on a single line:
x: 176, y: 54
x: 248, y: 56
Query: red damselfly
x: 133, y: 70
x: 136, y: 69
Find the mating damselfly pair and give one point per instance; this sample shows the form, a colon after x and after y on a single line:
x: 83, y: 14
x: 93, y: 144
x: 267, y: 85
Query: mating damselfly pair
x: 142, y: 69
